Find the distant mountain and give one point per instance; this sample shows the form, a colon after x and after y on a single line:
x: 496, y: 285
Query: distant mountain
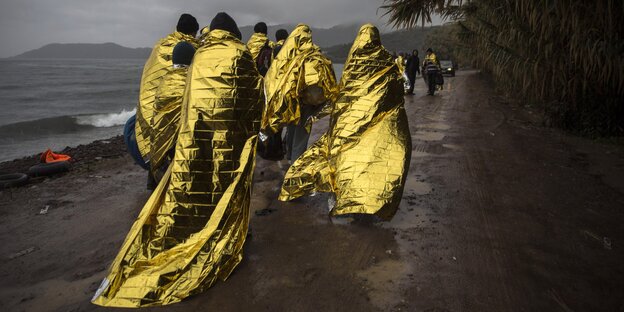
x: 397, y: 41
x: 86, y: 50
x: 323, y: 37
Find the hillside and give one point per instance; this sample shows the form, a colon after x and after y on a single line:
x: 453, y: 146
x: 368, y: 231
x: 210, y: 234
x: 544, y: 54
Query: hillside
x: 397, y: 41
x: 86, y: 50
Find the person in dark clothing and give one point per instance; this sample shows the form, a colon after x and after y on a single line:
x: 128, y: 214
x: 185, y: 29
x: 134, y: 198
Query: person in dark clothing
x: 225, y: 22
x: 412, y: 68
x: 280, y: 37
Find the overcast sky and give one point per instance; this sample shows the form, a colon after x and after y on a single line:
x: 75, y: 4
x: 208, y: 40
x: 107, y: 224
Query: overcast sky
x: 30, y: 24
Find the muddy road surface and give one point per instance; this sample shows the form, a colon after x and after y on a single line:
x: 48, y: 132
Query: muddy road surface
x: 498, y: 214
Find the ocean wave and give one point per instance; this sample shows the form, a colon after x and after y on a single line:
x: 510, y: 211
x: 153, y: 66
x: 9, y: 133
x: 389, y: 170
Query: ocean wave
x: 105, y: 120
x: 61, y: 125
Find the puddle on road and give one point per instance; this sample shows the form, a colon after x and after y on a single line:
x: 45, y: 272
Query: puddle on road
x: 428, y: 136
x: 452, y: 146
x: 434, y: 126
x: 419, y: 154
x: 385, y: 280
x: 417, y: 187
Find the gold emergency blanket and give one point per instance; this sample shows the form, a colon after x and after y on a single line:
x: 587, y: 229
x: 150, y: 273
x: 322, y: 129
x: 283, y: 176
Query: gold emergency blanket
x: 364, y: 156
x: 166, y: 119
x: 192, y: 229
x: 298, y: 65
x: 256, y: 42
x: 155, y: 68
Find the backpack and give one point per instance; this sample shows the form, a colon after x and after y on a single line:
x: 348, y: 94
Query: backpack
x: 263, y: 62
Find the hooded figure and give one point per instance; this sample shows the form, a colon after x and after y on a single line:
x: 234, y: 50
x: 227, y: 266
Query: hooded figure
x: 155, y: 68
x: 299, y: 86
x: 364, y: 156
x: 192, y: 229
x: 299, y: 66
x: 167, y: 105
x: 280, y: 37
x: 258, y: 40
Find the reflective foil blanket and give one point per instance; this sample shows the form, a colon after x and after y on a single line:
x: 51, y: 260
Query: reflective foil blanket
x: 364, y: 156
x: 192, y: 229
x: 155, y: 68
x: 256, y: 42
x: 298, y: 66
x: 166, y: 118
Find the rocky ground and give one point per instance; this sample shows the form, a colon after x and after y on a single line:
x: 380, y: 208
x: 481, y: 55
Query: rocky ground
x: 498, y: 214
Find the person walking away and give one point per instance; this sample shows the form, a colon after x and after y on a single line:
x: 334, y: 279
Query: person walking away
x: 431, y: 69
x: 155, y: 68
x: 192, y: 229
x: 167, y: 108
x: 280, y: 38
x: 300, y: 88
x: 412, y: 69
x: 273, y: 147
x: 258, y: 40
x: 363, y: 158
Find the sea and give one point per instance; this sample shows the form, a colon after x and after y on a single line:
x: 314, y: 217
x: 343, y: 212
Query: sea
x: 56, y: 103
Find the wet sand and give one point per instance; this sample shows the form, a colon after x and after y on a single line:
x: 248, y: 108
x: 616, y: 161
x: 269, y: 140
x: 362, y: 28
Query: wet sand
x: 498, y: 214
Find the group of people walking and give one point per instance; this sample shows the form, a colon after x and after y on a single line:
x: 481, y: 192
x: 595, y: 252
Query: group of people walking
x: 208, y: 104
x: 430, y: 71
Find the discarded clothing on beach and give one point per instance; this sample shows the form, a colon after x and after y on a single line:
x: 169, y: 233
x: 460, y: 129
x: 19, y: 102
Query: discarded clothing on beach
x: 364, y: 156
x: 192, y: 229
x: 299, y: 66
x: 155, y: 68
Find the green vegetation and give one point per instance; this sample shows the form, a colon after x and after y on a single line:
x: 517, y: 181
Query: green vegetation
x: 566, y: 56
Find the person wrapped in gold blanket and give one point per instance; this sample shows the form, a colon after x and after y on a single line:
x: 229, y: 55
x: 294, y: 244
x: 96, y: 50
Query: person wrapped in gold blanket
x: 364, y: 156
x: 192, y: 229
x: 155, y: 68
x: 299, y: 84
x: 167, y: 107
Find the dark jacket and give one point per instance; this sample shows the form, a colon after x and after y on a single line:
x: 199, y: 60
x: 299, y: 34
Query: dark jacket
x: 413, y: 65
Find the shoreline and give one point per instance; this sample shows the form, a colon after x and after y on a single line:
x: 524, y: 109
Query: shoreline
x: 82, y: 154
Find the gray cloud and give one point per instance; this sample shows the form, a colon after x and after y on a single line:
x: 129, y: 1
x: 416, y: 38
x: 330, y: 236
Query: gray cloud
x: 29, y: 24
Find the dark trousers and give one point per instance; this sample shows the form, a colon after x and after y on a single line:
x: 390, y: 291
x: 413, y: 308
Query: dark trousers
x: 431, y: 82
x: 296, y: 135
x: 412, y: 80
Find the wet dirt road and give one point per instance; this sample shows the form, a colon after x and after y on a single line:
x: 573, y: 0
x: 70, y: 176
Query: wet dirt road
x: 498, y: 214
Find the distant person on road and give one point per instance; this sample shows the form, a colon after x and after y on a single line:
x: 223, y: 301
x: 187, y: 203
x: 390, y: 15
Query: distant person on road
x: 261, y: 48
x: 412, y: 69
x: 431, y: 70
x: 155, y: 68
x: 167, y: 108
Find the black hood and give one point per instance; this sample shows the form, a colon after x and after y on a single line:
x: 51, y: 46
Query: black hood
x: 261, y: 28
x: 187, y: 24
x: 224, y: 22
x: 183, y: 53
x: 281, y: 34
